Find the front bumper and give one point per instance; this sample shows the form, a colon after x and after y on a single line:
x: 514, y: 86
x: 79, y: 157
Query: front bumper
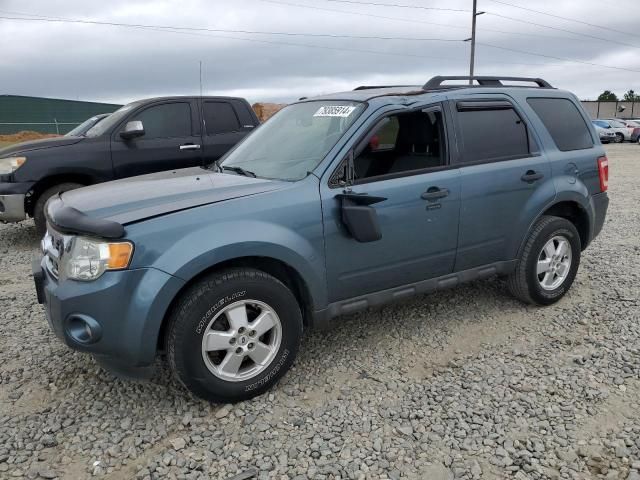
x: 12, y: 208
x: 117, y: 317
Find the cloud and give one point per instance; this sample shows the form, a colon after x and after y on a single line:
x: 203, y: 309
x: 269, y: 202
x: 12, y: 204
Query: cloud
x: 110, y: 63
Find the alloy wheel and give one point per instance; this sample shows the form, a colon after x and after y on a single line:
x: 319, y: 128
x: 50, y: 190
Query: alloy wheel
x: 242, y: 340
x: 554, y: 263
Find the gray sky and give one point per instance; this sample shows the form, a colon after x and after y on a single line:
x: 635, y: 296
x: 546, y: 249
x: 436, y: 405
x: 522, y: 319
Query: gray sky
x: 111, y: 63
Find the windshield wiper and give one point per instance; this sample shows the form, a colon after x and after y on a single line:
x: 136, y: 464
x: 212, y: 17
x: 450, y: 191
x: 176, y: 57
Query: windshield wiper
x: 239, y: 170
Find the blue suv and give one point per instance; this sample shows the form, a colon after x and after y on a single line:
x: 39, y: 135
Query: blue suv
x: 338, y: 203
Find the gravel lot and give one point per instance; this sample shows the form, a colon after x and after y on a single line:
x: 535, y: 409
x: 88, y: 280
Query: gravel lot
x: 466, y: 383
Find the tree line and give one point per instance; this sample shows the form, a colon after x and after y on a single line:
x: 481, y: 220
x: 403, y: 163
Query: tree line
x: 609, y: 96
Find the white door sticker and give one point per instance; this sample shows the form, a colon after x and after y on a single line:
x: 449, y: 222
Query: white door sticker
x: 335, y: 111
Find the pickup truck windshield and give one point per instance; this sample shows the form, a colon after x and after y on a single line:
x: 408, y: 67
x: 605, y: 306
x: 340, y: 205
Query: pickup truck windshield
x: 113, y: 119
x: 295, y: 140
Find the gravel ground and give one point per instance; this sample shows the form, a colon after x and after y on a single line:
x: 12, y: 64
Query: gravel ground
x: 466, y: 383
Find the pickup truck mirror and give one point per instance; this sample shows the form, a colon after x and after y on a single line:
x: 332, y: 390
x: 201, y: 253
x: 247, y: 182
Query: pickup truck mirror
x: 132, y: 129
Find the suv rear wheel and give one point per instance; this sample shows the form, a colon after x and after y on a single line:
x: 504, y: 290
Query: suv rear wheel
x: 233, y: 335
x: 548, y: 263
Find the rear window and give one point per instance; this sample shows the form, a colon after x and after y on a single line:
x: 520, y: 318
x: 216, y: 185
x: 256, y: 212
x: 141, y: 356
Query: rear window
x: 564, y: 122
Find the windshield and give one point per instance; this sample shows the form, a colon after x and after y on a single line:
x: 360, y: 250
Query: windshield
x: 83, y: 127
x: 616, y: 124
x: 295, y: 140
x: 107, y: 123
x: 601, y: 124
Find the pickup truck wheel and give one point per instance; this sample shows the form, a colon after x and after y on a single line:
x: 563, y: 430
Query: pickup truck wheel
x: 38, y: 209
x: 548, y: 263
x: 233, y: 334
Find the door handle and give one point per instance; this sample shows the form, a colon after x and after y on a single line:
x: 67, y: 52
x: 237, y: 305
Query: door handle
x: 434, y: 193
x: 531, y: 176
x: 189, y: 146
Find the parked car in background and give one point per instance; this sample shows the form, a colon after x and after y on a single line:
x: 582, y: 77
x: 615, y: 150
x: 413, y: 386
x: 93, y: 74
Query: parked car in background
x: 336, y: 204
x: 633, y: 124
x: 620, y: 129
x: 81, y: 129
x: 142, y: 137
x: 607, y: 135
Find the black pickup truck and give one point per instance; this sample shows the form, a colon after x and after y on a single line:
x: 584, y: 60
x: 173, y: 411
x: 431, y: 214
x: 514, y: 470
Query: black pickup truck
x: 145, y: 136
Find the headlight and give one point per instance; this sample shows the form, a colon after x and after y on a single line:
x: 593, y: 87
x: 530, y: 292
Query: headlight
x: 87, y: 259
x: 11, y: 164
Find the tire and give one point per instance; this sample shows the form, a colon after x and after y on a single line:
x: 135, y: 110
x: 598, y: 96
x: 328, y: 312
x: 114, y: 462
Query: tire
x: 619, y: 138
x: 38, y: 209
x: 525, y: 283
x: 203, y: 312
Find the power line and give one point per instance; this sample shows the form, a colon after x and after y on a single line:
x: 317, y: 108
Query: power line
x: 198, y: 31
x: 400, y: 5
x: 564, y: 59
x: 562, y: 30
x: 190, y: 31
x: 561, y: 17
x: 42, y: 18
x: 400, y: 19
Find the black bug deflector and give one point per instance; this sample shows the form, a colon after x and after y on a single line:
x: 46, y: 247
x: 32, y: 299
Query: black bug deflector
x: 67, y: 219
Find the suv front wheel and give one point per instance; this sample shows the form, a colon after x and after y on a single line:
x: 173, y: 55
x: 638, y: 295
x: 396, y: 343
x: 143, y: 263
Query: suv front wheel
x: 548, y: 263
x: 233, y: 334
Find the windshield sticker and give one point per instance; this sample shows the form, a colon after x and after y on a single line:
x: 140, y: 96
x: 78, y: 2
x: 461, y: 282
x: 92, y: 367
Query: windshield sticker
x: 335, y: 111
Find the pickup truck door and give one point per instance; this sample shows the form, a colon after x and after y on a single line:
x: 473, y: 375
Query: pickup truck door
x: 225, y: 123
x: 418, y: 216
x: 171, y: 140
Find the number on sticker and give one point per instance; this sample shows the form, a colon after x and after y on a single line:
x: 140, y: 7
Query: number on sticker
x: 334, y: 111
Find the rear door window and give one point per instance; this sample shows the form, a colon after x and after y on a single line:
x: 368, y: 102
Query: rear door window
x: 220, y: 117
x: 491, y: 132
x: 564, y: 122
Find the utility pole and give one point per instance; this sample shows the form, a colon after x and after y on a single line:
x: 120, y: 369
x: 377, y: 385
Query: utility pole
x: 475, y: 13
x: 200, y: 78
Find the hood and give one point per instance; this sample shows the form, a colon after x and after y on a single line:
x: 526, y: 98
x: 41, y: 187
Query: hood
x: 136, y: 198
x: 31, y: 145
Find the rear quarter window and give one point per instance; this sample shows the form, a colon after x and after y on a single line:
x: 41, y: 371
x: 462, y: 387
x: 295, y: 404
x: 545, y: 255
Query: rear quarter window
x: 563, y: 121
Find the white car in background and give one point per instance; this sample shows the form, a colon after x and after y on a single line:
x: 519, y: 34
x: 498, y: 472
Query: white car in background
x: 621, y: 131
x: 607, y: 135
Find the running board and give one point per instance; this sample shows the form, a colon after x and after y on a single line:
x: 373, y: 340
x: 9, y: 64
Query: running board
x: 351, y: 305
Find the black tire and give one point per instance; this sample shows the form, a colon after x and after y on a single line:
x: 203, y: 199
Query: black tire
x: 38, y: 209
x: 199, y: 305
x: 523, y: 283
x: 619, y: 138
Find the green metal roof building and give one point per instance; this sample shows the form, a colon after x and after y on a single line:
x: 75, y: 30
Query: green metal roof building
x: 46, y: 115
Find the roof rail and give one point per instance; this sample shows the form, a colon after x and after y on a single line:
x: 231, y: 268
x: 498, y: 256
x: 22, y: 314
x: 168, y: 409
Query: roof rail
x: 483, y: 81
x: 373, y: 87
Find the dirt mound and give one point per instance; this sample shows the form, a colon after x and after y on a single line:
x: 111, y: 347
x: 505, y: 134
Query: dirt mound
x: 25, y: 136
x: 266, y: 110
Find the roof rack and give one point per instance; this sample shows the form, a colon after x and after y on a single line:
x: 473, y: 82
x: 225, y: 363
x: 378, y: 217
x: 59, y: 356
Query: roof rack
x: 373, y: 87
x: 483, y: 81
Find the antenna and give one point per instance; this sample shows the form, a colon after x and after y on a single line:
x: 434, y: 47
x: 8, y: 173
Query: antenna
x: 200, y: 62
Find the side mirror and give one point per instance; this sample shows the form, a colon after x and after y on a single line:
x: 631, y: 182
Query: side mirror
x: 359, y: 217
x: 132, y: 129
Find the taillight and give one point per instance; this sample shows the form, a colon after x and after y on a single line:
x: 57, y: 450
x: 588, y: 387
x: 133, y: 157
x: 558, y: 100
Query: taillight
x: 603, y: 173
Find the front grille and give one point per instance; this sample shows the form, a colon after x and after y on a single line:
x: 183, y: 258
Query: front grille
x: 53, y: 248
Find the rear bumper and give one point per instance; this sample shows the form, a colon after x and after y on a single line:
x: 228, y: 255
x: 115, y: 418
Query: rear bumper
x: 600, y: 205
x: 117, y: 317
x: 12, y: 208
